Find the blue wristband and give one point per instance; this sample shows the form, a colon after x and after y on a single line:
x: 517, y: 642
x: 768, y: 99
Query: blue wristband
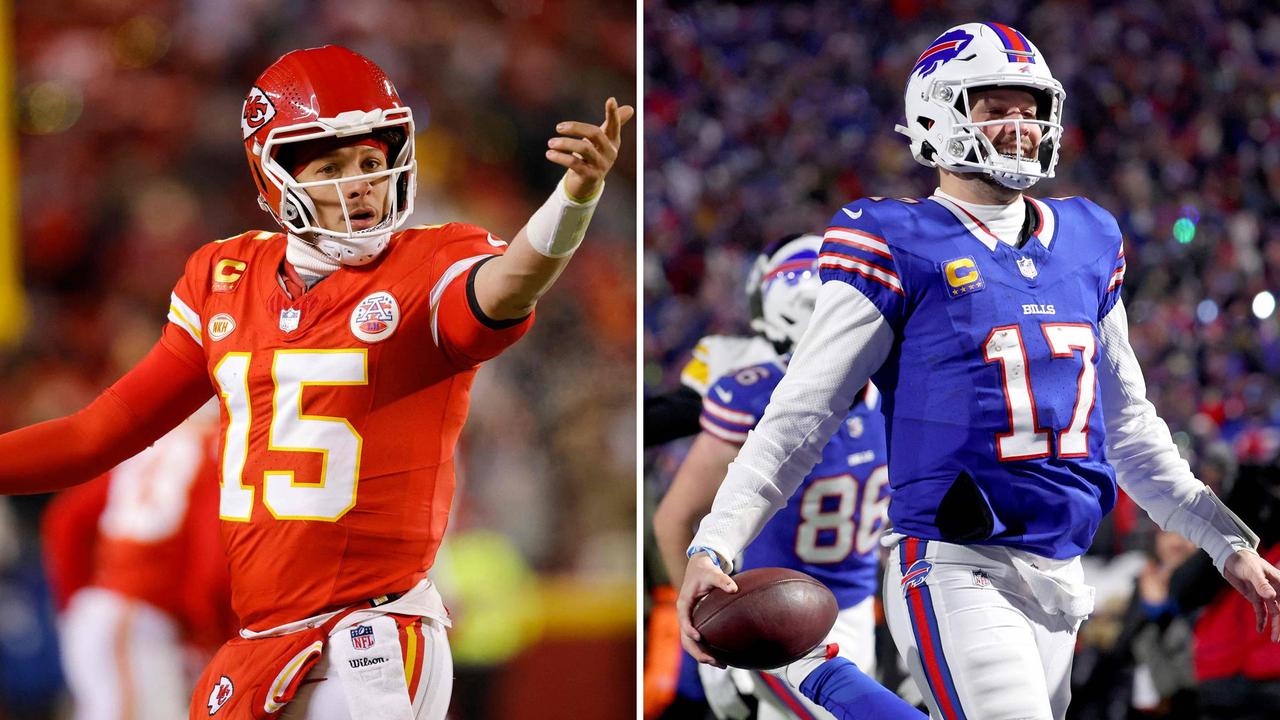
x: 715, y: 558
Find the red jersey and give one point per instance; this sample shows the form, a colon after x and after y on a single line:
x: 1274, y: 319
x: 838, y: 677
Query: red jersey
x: 147, y: 531
x: 1225, y: 642
x: 340, y: 410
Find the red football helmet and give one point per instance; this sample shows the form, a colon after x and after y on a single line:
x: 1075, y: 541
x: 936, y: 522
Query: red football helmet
x: 328, y: 92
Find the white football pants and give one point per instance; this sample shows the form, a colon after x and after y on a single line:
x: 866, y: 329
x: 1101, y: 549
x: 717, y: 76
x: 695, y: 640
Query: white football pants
x: 123, y: 659
x: 855, y: 631
x: 332, y: 692
x: 971, y: 623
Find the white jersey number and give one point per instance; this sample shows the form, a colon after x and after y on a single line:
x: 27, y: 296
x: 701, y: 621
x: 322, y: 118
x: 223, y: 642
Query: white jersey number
x: 844, y: 535
x: 149, y: 493
x: 330, y: 496
x: 1026, y: 440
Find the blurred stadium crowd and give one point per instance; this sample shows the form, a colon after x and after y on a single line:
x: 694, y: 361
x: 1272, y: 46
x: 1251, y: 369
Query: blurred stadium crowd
x: 762, y: 118
x: 131, y: 157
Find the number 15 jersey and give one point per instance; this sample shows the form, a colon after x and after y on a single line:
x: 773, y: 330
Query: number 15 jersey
x: 994, y: 421
x: 340, y: 410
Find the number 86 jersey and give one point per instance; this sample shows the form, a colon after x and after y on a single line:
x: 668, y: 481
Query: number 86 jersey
x: 340, y: 410
x: 830, y: 528
x: 995, y: 425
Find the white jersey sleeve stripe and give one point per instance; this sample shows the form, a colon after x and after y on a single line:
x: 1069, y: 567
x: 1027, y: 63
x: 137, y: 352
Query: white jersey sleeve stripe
x: 437, y: 291
x: 737, y: 438
x: 183, y: 316
x: 858, y: 239
x: 865, y: 269
x: 711, y: 407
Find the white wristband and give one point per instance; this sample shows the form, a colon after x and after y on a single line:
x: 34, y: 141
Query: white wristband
x: 556, y: 229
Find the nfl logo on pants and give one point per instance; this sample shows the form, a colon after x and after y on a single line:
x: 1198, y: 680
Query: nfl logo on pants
x: 362, y: 637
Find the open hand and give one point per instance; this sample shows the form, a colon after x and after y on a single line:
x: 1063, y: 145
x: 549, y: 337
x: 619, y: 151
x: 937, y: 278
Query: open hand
x: 589, y: 151
x: 1259, y: 581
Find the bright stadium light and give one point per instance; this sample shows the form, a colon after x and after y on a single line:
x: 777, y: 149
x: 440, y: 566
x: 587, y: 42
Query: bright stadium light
x: 1264, y: 304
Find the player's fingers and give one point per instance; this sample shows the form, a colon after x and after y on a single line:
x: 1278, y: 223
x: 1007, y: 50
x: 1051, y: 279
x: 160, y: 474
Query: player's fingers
x: 686, y: 622
x: 611, y: 125
x: 726, y: 583
x: 625, y: 113
x: 589, y: 152
x: 569, y: 160
x: 592, y: 133
x: 697, y: 652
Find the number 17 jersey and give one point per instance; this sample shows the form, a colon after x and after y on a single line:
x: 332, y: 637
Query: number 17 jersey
x: 340, y: 410
x: 995, y: 429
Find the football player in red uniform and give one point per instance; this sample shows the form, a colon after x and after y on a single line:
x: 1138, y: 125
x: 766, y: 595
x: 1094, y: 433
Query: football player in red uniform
x: 139, y: 577
x: 342, y: 351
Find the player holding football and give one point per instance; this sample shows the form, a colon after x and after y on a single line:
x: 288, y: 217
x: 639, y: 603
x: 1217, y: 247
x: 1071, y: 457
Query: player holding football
x: 342, y: 352
x: 831, y: 525
x: 992, y: 322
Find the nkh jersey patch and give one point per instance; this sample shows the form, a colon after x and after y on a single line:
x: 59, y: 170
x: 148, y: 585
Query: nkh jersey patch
x: 991, y: 385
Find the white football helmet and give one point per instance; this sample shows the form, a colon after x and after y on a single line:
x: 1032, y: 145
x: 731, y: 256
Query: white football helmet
x: 783, y: 288
x: 939, y: 124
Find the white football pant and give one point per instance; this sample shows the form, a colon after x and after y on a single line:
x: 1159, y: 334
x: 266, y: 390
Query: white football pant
x: 123, y: 659
x: 336, y: 690
x: 987, y: 632
x: 855, y: 631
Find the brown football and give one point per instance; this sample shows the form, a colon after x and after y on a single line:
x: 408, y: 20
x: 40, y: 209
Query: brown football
x: 776, y: 617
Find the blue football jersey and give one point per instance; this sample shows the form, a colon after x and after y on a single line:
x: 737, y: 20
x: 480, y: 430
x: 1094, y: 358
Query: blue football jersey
x: 831, y: 527
x: 990, y: 390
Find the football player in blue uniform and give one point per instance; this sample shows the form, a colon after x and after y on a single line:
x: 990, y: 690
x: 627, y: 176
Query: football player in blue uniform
x: 992, y: 323
x: 778, y: 318
x: 831, y: 526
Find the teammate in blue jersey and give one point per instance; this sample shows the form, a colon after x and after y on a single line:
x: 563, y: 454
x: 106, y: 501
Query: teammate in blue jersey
x: 831, y: 526
x: 992, y: 323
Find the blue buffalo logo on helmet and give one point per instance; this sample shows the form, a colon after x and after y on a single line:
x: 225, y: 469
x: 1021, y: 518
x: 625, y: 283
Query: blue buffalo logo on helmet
x: 945, y: 48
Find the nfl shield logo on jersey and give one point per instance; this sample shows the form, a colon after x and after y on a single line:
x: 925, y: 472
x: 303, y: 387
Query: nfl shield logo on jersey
x: 376, y: 317
x: 1027, y: 267
x: 289, y: 318
x: 221, y: 693
x: 362, y: 637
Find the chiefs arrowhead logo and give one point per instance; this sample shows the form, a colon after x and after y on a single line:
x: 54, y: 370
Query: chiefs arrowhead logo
x: 221, y: 693
x: 258, y: 111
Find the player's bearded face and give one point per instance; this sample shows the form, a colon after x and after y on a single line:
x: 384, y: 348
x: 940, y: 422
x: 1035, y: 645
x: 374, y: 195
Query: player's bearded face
x: 1008, y: 104
x: 365, y: 200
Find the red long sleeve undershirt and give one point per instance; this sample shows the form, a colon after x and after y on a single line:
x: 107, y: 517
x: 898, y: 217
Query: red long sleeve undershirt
x: 154, y: 397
